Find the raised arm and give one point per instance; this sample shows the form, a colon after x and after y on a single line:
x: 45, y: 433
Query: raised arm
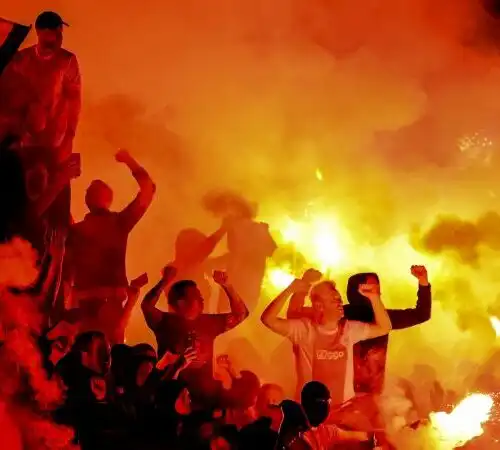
x: 151, y: 313
x: 270, y: 315
x: 239, y: 311
x: 202, y: 251
x: 406, y: 318
x: 138, y: 207
x: 382, y: 325
x: 133, y: 293
x: 296, y: 308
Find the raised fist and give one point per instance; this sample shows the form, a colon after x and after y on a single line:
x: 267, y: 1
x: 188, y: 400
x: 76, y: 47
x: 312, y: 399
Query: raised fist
x: 312, y: 276
x: 420, y: 273
x: 220, y: 277
x: 122, y: 156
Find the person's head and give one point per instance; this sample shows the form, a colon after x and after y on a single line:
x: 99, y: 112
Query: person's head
x: 245, y: 389
x: 187, y: 240
x: 269, y: 398
x: 99, y: 196
x: 326, y: 302
x: 49, y: 29
x: 94, y: 350
x: 315, y: 399
x: 185, y: 299
x: 145, y: 361
x: 121, y: 354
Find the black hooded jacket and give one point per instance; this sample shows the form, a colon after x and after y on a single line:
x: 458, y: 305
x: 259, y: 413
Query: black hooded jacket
x: 370, y: 356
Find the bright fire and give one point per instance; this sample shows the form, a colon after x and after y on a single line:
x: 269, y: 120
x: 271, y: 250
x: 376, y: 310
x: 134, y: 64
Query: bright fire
x: 316, y: 237
x: 495, y: 323
x: 464, y: 422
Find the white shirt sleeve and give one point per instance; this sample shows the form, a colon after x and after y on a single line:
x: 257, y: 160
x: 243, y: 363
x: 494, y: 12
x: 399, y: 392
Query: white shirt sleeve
x: 298, y: 331
x: 357, y: 331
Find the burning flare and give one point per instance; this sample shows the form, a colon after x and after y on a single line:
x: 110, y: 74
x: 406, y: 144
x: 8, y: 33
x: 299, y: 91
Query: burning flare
x: 495, y: 323
x: 464, y: 422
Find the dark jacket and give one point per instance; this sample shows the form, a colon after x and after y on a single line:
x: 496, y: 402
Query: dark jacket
x: 370, y: 356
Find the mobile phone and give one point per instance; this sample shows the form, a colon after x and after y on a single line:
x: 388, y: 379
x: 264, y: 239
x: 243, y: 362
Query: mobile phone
x: 140, y: 281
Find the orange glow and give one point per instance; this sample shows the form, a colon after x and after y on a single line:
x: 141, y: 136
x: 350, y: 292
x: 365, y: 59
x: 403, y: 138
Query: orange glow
x: 464, y: 422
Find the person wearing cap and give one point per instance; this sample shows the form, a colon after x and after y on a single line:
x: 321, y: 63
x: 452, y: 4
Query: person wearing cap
x: 46, y: 94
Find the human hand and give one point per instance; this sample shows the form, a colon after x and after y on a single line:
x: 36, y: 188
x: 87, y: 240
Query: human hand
x: 220, y: 277
x: 169, y: 273
x: 139, y: 282
x: 299, y: 286
x: 311, y: 276
x: 188, y: 357
x: 223, y: 362
x: 122, y: 156
x: 370, y: 291
x: 420, y: 273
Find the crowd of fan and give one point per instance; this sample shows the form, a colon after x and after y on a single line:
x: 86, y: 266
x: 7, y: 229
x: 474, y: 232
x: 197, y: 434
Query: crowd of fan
x: 175, y: 397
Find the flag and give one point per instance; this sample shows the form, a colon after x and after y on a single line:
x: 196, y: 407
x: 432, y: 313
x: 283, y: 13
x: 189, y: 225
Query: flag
x: 12, y: 36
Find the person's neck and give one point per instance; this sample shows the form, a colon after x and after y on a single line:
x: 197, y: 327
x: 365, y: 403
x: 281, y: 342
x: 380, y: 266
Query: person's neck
x: 44, y: 52
x: 329, y: 323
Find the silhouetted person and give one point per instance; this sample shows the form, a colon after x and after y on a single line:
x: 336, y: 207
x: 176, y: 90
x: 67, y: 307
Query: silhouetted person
x: 97, y: 245
x: 44, y: 86
x: 188, y: 327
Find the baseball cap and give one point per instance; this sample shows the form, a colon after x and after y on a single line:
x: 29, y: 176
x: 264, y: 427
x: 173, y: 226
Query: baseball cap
x: 49, y: 20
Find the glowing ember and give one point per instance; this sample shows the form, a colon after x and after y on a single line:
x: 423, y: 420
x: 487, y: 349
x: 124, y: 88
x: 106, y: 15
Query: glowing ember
x: 464, y: 422
x: 319, y: 175
x: 495, y: 323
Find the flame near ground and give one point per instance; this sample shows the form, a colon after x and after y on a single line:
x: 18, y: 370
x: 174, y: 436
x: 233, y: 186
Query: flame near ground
x: 464, y: 422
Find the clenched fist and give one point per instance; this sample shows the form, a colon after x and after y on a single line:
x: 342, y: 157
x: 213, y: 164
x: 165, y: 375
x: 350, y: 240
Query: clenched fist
x: 220, y: 277
x: 420, y: 273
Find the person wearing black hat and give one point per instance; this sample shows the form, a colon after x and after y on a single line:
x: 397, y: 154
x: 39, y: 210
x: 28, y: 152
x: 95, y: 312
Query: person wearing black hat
x: 48, y: 89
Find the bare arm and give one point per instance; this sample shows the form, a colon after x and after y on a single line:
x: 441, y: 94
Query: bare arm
x: 296, y: 308
x: 203, y: 251
x: 270, y: 315
x: 382, y: 325
x: 239, y: 311
x: 151, y: 313
x: 133, y: 293
x: 138, y: 207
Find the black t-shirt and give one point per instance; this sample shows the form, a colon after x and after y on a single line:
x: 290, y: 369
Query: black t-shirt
x: 174, y: 334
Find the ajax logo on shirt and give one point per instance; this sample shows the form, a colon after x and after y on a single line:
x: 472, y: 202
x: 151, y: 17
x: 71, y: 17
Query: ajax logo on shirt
x: 327, y: 355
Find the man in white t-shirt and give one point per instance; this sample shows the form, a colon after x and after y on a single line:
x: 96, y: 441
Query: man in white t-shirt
x: 325, y: 343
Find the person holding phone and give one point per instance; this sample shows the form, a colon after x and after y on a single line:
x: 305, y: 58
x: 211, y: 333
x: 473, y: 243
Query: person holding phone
x: 325, y: 341
x: 187, y: 326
